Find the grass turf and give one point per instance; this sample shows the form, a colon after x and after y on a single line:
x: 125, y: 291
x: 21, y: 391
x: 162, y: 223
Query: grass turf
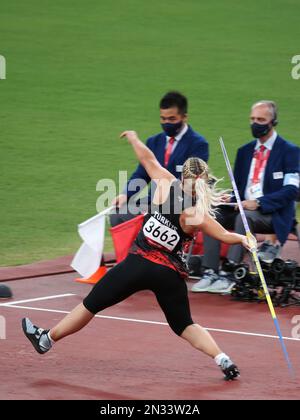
x: 79, y: 73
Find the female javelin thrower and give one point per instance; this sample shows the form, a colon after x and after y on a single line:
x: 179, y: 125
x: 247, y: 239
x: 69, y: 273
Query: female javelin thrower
x: 153, y: 262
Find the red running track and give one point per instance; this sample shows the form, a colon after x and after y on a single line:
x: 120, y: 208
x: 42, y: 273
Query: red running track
x: 120, y: 355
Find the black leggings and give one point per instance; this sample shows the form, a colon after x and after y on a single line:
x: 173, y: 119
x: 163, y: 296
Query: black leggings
x: 136, y: 273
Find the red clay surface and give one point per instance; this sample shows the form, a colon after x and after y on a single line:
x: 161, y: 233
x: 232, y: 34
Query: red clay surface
x: 117, y: 359
x: 59, y: 265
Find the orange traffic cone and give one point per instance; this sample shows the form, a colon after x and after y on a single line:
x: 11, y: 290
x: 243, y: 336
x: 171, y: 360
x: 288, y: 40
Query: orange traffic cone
x: 94, y: 278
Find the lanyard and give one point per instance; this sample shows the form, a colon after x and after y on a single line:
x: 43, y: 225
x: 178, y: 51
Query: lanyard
x: 261, y: 159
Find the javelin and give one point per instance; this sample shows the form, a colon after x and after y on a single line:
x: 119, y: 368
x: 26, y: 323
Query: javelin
x: 254, y: 254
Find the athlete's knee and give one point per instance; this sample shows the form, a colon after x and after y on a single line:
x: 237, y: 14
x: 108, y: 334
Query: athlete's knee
x: 91, y: 305
x: 191, y: 334
x: 189, y: 329
x: 179, y: 328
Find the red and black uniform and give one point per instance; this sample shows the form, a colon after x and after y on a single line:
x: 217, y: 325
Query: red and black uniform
x: 161, y: 238
x: 154, y: 263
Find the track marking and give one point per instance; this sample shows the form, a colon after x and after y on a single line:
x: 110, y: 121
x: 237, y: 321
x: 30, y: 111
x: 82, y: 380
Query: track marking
x: 154, y: 322
x: 36, y: 299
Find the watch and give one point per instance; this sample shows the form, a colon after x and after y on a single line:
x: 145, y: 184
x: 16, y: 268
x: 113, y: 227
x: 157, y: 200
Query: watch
x: 257, y: 202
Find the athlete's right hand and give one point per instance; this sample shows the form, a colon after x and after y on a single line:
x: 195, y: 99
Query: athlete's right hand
x: 119, y: 200
x: 130, y: 135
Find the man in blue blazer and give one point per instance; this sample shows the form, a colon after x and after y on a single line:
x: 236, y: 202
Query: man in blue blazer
x: 267, y: 176
x: 172, y: 147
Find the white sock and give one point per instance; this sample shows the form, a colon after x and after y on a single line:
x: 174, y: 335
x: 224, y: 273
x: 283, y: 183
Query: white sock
x: 219, y: 357
x: 50, y: 339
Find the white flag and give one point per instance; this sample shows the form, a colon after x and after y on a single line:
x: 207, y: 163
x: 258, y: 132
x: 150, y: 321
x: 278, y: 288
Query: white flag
x: 88, y: 258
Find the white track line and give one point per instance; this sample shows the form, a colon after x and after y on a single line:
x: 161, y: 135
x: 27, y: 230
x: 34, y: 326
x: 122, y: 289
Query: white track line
x: 36, y: 299
x: 156, y: 323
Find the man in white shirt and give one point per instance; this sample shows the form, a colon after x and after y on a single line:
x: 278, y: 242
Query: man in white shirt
x: 267, y: 176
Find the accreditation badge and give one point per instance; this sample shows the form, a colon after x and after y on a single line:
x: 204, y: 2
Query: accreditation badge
x: 256, y: 191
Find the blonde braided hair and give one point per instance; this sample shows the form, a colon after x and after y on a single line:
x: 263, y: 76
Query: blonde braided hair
x: 196, y: 173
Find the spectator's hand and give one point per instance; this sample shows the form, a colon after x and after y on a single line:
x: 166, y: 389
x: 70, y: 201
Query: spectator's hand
x: 225, y: 198
x: 250, y: 204
x: 119, y: 200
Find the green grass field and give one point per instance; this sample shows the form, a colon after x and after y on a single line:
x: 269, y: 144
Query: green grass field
x: 78, y: 73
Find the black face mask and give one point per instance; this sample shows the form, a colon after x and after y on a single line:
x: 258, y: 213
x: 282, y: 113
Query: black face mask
x: 171, y: 129
x: 260, y: 130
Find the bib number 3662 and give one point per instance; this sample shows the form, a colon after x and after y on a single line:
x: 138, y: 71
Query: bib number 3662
x: 161, y: 234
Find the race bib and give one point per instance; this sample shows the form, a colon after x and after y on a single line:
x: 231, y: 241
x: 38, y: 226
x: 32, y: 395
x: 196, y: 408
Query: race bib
x: 161, y: 234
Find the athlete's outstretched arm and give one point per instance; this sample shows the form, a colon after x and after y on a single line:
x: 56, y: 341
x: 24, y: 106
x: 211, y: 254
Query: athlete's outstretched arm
x: 211, y: 227
x: 147, y: 158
